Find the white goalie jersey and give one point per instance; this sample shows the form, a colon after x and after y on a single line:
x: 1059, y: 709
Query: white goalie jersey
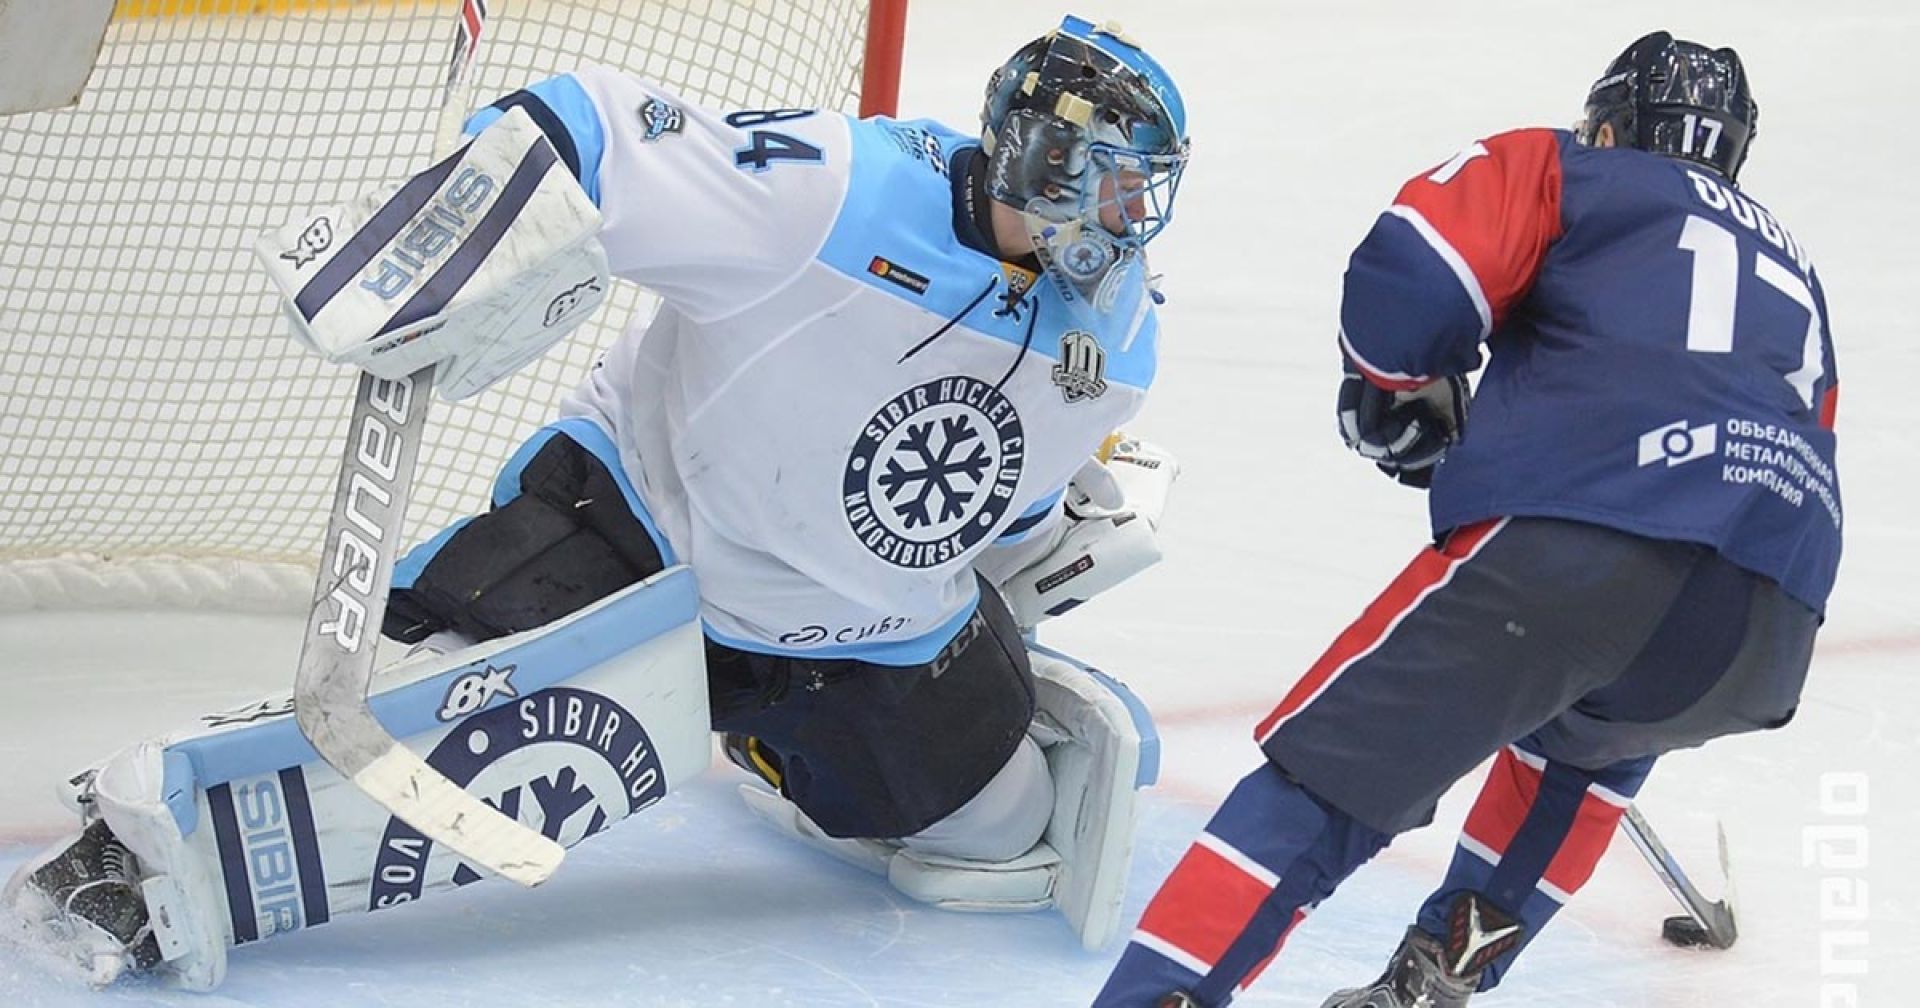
x: 839, y: 405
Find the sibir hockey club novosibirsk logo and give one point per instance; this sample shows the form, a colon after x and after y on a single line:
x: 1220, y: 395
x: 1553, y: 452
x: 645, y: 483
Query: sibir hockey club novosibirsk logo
x: 528, y: 759
x: 933, y: 472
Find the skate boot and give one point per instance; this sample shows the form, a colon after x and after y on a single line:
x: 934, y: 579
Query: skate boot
x: 85, y: 898
x: 1426, y: 973
x: 755, y: 757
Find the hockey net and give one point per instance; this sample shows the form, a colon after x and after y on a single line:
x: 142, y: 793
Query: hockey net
x: 162, y: 442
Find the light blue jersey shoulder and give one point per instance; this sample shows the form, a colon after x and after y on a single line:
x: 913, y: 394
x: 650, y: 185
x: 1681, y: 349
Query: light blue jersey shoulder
x: 895, y: 233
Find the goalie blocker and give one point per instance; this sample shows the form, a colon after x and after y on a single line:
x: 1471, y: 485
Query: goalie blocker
x: 239, y: 832
x: 1107, y: 534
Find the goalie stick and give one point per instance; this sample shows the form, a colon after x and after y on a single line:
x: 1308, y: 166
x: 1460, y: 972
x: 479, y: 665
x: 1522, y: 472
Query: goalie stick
x: 1707, y: 922
x: 350, y: 596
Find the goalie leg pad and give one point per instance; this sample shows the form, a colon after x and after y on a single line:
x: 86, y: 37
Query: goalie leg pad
x: 242, y: 832
x: 1100, y: 748
x: 926, y: 866
x: 1004, y: 820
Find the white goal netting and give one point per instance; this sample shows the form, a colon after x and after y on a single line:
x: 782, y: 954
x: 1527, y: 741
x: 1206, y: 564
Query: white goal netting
x: 162, y: 441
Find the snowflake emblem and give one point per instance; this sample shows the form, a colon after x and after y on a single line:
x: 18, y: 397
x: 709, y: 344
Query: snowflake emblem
x: 952, y: 471
x: 933, y: 471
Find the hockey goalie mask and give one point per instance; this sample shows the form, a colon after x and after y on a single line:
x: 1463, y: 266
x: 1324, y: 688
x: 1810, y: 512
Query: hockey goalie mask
x: 1086, y: 137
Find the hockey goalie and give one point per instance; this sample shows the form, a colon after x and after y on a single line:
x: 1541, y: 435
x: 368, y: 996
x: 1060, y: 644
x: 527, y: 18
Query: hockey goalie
x: 816, y: 505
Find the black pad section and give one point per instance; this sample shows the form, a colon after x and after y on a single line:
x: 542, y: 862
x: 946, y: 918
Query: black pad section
x: 1689, y: 652
x: 544, y: 117
x: 880, y: 750
x: 568, y: 540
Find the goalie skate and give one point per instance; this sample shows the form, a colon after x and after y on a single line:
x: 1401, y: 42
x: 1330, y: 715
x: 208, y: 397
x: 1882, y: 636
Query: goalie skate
x: 85, y: 900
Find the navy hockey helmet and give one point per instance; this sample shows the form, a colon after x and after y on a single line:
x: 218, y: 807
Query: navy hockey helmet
x: 1079, y: 121
x: 1676, y: 98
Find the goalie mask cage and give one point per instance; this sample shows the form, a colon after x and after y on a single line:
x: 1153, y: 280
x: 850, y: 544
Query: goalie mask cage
x: 162, y: 440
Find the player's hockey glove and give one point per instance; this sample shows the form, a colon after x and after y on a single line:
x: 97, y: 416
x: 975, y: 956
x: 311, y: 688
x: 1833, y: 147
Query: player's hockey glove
x: 1407, y: 433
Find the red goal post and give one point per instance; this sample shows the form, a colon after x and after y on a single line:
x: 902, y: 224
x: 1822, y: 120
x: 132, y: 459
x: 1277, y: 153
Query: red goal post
x: 162, y: 442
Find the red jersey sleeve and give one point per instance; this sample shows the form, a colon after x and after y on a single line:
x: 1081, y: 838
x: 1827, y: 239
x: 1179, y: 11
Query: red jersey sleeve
x: 1460, y: 246
x: 1495, y: 207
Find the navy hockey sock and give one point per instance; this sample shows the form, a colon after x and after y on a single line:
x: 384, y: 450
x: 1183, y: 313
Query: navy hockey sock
x: 1271, y: 852
x: 1533, y: 838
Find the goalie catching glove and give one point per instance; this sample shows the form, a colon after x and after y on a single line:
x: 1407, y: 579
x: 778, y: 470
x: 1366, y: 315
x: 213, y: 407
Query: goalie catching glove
x: 1404, y: 433
x: 1106, y: 534
x: 479, y: 265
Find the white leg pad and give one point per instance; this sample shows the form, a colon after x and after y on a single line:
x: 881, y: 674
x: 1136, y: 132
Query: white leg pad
x: 786, y: 817
x: 182, y: 892
x: 244, y: 833
x: 1101, y: 749
x: 1015, y: 885
x: 950, y: 883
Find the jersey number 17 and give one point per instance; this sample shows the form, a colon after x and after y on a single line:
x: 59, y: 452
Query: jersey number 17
x: 1716, y: 290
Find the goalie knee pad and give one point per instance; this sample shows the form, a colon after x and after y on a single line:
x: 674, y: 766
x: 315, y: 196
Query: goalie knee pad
x: 242, y: 833
x: 1100, y: 748
x: 1024, y: 882
x: 566, y: 530
x: 1004, y: 820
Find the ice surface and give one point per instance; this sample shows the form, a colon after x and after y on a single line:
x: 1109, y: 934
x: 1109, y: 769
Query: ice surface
x: 1306, y: 117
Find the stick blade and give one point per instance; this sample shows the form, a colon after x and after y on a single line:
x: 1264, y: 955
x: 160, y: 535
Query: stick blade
x: 409, y: 788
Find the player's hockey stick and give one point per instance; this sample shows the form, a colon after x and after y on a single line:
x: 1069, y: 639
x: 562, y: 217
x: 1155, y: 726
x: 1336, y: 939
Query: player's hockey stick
x: 1707, y: 922
x: 350, y: 597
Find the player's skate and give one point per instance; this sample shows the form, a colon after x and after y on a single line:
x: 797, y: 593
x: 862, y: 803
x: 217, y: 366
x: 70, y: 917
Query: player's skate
x: 85, y: 898
x: 1426, y: 973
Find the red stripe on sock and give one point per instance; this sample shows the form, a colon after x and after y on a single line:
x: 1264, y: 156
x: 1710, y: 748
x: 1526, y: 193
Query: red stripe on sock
x: 1503, y: 804
x: 1204, y: 905
x: 1579, y: 853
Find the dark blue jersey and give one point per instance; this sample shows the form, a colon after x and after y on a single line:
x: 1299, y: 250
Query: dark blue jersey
x: 1658, y: 351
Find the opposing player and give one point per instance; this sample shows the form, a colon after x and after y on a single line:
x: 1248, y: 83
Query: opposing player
x: 1635, y: 536
x: 878, y: 395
